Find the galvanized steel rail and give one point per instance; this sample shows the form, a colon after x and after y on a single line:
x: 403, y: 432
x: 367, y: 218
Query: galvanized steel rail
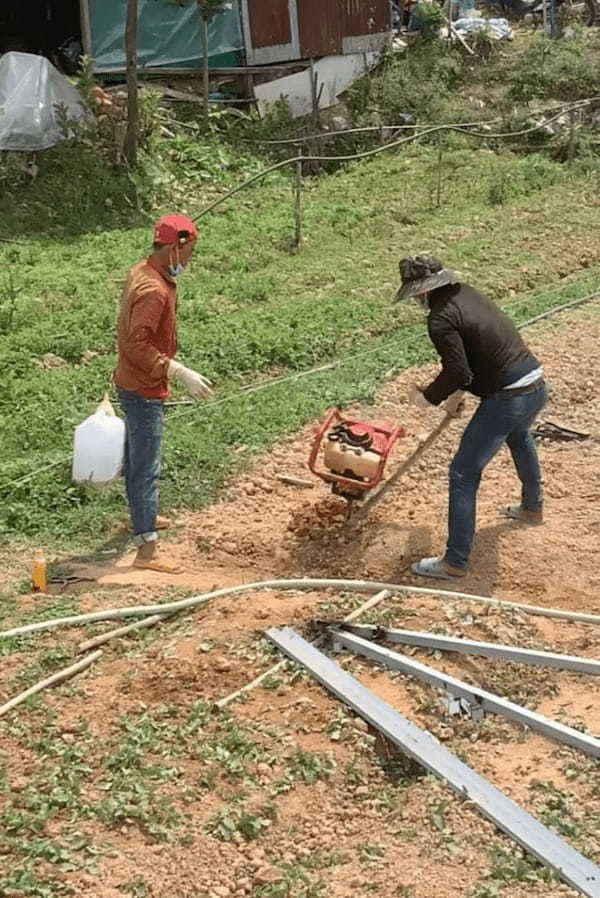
x: 551, y: 729
x: 546, y: 846
x: 473, y: 647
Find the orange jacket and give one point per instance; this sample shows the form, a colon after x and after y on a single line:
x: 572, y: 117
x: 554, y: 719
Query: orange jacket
x: 147, y: 331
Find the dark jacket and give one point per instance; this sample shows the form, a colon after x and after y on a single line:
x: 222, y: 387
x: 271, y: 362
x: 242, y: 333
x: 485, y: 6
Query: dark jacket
x: 480, y: 348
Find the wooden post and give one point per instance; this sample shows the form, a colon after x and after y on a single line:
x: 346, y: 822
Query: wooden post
x: 249, y: 79
x: 571, y: 150
x: 206, y: 78
x: 315, y: 96
x: 400, y: 6
x: 298, y: 207
x: 440, y: 159
x: 131, y: 136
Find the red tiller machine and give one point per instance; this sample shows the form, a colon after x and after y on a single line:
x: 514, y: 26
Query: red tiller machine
x: 351, y: 455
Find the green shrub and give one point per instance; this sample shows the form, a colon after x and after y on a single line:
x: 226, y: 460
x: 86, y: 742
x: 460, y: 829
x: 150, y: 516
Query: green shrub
x: 559, y: 70
x: 419, y: 83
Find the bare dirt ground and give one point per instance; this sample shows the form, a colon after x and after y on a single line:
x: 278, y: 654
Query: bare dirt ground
x: 287, y: 794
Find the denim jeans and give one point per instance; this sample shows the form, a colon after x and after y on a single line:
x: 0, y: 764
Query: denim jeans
x: 144, y: 420
x: 501, y: 418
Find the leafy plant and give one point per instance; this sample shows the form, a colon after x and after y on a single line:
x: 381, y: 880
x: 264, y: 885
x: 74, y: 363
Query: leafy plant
x: 232, y: 819
x: 556, y: 810
x: 311, y: 766
x: 428, y: 19
x: 510, y: 865
x: 294, y: 881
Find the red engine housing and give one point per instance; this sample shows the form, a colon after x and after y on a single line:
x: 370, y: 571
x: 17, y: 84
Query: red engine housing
x: 366, y: 447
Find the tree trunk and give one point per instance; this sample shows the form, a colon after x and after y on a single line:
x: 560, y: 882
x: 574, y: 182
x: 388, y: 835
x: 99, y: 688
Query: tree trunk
x: 131, y: 137
x: 206, y: 77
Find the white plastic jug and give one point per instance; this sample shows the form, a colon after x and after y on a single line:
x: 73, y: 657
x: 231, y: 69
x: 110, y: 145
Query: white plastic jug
x: 99, y: 446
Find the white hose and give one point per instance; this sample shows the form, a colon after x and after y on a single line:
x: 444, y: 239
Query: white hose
x: 304, y: 583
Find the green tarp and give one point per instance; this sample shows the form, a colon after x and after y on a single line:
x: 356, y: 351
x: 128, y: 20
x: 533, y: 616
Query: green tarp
x: 169, y: 36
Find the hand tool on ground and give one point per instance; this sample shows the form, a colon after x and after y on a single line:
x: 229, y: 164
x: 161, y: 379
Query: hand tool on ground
x: 69, y: 580
x: 548, y: 430
x: 351, y: 455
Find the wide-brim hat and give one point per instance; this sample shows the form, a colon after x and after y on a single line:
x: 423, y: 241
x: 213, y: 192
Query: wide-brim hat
x: 422, y: 274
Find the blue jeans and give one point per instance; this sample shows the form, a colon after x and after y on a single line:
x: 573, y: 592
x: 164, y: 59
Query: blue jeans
x: 501, y: 418
x: 144, y: 421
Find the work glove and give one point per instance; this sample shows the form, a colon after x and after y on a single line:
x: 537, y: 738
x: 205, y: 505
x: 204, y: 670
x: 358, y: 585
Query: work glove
x: 196, y: 385
x: 417, y: 397
x: 455, y: 404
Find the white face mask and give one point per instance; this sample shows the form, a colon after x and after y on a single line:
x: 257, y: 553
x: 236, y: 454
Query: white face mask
x: 176, y: 266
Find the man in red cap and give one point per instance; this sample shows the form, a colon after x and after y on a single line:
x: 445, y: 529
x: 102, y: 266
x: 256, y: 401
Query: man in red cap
x: 147, y: 343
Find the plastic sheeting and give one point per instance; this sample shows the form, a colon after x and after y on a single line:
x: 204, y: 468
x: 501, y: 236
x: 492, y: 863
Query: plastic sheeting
x: 30, y: 90
x: 168, y: 35
x: 498, y: 29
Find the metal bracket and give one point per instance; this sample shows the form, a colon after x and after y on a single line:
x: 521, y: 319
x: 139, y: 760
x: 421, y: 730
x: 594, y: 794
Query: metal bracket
x: 461, y: 707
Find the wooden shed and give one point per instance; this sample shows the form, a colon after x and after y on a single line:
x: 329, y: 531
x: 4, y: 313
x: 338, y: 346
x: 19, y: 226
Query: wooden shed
x: 285, y: 30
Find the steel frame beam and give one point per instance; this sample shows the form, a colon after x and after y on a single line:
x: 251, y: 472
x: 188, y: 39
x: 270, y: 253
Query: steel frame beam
x: 487, y: 700
x: 472, y: 647
x: 546, y: 846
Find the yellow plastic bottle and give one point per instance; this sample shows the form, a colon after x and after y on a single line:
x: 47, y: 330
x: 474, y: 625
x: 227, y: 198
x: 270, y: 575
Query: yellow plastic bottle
x: 39, y: 571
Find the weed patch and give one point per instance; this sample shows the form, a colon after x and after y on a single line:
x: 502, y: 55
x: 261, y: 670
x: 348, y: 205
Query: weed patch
x: 507, y: 680
x: 310, y: 767
x: 512, y: 866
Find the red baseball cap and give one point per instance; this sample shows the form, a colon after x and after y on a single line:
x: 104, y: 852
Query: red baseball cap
x: 166, y: 231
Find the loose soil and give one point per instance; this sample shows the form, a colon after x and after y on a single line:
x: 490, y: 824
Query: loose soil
x: 362, y: 830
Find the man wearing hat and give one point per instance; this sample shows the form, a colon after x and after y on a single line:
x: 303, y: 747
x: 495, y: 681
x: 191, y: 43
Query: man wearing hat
x: 481, y: 351
x: 147, y: 343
